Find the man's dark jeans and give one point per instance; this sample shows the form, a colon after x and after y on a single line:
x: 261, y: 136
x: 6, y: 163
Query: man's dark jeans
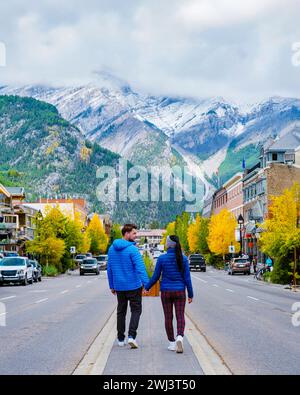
x: 135, y: 299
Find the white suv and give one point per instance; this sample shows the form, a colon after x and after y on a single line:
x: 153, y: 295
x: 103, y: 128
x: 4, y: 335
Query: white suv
x: 16, y: 269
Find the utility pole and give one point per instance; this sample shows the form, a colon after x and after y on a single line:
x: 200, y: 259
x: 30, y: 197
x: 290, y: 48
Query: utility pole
x: 241, y: 223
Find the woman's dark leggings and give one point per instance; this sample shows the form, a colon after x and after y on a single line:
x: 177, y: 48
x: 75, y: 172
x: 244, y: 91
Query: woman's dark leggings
x: 177, y: 299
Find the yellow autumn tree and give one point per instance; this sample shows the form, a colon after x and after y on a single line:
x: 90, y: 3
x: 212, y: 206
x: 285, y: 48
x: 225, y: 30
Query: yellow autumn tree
x: 281, y: 236
x: 197, y: 235
x: 170, y: 230
x: 86, y: 243
x: 97, y: 235
x: 222, y: 233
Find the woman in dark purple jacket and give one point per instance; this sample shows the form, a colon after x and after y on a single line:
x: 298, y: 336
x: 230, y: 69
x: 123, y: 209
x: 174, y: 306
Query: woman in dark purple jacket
x: 176, y: 278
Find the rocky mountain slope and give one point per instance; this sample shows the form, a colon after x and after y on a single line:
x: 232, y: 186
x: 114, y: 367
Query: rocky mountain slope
x: 207, y: 135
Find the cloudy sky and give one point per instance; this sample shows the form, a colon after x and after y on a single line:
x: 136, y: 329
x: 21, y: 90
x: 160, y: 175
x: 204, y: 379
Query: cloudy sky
x: 237, y: 49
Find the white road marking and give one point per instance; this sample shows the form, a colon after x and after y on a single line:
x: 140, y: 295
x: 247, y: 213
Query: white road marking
x: 89, y: 282
x: 215, y: 285
x: 41, y: 300
x: 229, y: 290
x: 64, y: 292
x: 251, y: 297
x: 38, y: 291
x: 8, y: 297
x: 199, y: 279
x: 78, y: 286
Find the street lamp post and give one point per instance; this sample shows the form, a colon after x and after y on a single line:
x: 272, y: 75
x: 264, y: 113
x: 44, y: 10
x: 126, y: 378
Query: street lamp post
x: 241, y: 223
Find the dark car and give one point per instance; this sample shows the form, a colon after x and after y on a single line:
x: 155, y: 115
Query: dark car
x: 102, y: 260
x: 197, y: 262
x: 37, y: 271
x: 239, y: 265
x: 79, y: 258
x: 89, y: 265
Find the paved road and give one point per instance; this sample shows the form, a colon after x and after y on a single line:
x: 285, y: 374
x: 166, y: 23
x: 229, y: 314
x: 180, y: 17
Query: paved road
x: 51, y: 324
x: 247, y: 322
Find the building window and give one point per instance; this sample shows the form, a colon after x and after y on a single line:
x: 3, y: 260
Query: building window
x: 274, y: 157
x: 289, y: 158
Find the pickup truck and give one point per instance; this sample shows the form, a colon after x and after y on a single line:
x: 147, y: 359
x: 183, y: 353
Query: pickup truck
x: 197, y: 262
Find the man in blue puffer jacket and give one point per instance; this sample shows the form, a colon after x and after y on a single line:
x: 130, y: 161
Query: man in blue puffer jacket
x: 127, y: 275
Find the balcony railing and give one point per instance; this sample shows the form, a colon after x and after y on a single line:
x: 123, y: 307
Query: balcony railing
x: 6, y: 225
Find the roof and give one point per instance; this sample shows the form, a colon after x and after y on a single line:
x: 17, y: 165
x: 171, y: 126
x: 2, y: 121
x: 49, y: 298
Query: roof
x: 4, y: 190
x: 16, y: 191
x: 290, y: 141
x: 238, y: 177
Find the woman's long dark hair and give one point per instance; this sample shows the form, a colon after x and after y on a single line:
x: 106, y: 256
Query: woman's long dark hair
x: 178, y: 251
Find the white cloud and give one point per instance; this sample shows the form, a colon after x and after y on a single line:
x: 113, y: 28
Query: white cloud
x: 216, y: 13
x: 192, y: 47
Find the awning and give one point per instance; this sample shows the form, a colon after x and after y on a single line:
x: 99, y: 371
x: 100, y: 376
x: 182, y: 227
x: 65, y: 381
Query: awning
x: 250, y: 227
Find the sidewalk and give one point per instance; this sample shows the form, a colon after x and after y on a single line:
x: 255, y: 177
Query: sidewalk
x: 152, y: 357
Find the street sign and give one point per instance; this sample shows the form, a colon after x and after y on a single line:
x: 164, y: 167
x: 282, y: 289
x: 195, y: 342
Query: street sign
x: 231, y: 249
x: 72, y: 250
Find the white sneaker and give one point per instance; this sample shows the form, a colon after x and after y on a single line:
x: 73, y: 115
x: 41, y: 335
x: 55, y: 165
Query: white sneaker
x: 132, y: 342
x: 179, y: 344
x: 172, y: 346
x: 121, y: 343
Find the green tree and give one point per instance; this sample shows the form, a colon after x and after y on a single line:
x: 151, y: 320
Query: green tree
x: 181, y: 229
x: 115, y: 233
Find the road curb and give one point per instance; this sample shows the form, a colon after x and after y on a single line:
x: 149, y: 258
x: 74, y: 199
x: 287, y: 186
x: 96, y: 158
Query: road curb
x: 210, y: 361
x: 94, y: 361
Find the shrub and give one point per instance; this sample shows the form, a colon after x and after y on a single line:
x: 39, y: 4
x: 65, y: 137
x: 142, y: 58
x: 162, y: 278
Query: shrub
x: 267, y: 276
x: 50, y: 271
x: 214, y: 260
x: 281, y: 273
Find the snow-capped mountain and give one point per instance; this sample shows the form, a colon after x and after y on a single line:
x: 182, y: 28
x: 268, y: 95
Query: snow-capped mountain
x: 147, y: 129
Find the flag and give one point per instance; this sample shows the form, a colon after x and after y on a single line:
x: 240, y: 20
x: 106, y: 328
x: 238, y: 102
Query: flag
x: 244, y: 164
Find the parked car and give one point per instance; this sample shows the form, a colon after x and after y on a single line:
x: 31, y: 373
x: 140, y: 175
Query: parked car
x: 102, y: 260
x: 197, y: 262
x: 37, y: 271
x: 16, y: 269
x: 89, y: 265
x: 156, y: 254
x: 89, y: 255
x: 239, y: 265
x: 10, y: 253
x: 79, y: 258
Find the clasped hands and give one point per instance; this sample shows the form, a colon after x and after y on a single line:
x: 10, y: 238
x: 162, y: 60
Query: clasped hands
x: 145, y: 293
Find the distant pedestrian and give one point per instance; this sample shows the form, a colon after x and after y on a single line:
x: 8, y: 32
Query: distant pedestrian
x: 176, y: 277
x: 126, y: 275
x: 269, y: 264
x: 254, y: 264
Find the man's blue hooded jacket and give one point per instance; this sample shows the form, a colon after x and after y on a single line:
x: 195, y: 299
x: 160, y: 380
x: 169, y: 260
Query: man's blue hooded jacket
x: 125, y: 268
